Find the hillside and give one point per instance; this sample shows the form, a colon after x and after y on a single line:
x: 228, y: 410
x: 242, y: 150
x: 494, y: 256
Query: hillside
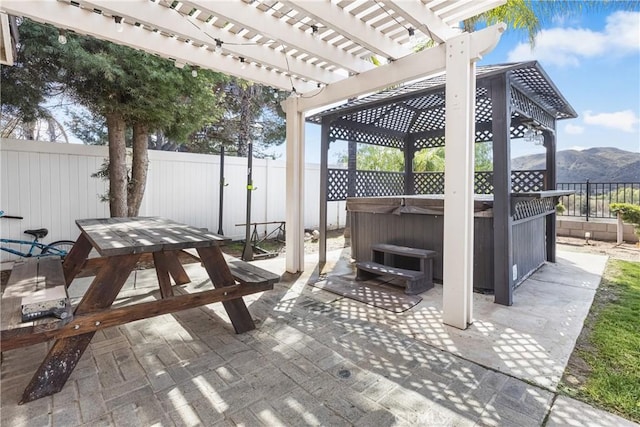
x: 604, y: 164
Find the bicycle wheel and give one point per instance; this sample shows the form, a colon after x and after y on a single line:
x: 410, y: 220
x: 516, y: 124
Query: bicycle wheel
x: 60, y: 248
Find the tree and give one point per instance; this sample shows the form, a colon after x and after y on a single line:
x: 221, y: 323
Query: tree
x: 128, y: 88
x: 376, y: 158
x: 248, y: 104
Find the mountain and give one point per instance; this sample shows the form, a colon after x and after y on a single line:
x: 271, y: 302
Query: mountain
x: 603, y: 164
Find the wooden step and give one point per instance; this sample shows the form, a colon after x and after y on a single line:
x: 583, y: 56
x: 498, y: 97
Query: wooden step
x: 385, y: 270
x: 403, y: 250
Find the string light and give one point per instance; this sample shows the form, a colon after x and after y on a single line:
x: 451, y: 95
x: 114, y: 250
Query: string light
x: 412, y: 35
x: 218, y: 48
x: 194, y: 72
x: 243, y: 63
x: 314, y: 30
x: 62, y: 37
x: 119, y: 26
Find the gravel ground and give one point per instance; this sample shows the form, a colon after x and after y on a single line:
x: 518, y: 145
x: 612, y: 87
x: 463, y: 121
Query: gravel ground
x: 625, y: 251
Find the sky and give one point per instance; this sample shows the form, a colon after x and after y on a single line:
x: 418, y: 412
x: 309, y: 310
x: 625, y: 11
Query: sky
x: 593, y: 57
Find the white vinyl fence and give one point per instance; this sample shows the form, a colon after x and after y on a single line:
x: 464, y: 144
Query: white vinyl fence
x: 50, y: 185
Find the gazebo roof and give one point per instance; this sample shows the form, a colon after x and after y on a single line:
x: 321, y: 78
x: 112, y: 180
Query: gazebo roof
x: 419, y: 107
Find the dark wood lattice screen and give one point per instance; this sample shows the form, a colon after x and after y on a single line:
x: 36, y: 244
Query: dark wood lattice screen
x: 337, y: 185
x: 525, y: 181
x: 528, y: 208
x: 428, y: 183
x: 524, y: 105
x: 374, y: 183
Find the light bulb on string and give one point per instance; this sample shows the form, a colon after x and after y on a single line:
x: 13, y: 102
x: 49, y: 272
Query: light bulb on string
x: 412, y: 35
x: 243, y: 63
x: 62, y: 37
x: 119, y: 26
x: 218, y: 48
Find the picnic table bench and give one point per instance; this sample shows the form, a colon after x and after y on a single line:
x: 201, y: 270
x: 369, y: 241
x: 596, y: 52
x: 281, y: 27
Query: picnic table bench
x: 121, y: 242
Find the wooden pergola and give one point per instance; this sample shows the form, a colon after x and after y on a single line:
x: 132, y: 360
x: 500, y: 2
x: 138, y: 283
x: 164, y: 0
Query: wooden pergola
x: 320, y: 51
x: 511, y: 100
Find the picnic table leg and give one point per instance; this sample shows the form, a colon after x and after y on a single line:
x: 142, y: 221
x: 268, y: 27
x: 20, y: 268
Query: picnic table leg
x: 63, y: 357
x: 220, y: 276
x: 160, y: 262
x: 175, y: 268
x: 75, y: 259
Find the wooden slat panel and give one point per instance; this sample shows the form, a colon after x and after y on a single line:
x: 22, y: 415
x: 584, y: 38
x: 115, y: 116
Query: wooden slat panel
x: 529, y: 247
x: 31, y: 281
x: 22, y: 282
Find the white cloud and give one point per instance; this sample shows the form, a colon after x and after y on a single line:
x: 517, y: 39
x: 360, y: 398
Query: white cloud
x: 625, y: 120
x: 573, y: 129
x: 567, y: 46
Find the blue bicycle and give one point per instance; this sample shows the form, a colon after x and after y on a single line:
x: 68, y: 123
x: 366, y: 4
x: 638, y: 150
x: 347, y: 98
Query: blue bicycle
x: 36, y: 248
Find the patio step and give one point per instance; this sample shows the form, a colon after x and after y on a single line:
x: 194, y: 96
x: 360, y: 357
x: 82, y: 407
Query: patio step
x: 416, y: 281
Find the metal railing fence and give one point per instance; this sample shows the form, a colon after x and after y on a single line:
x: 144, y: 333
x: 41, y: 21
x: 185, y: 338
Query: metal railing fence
x: 592, y: 199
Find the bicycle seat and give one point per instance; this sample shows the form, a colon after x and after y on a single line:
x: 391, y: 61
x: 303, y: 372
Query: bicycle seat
x: 38, y: 234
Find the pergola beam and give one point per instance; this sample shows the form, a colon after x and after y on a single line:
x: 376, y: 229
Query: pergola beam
x: 422, y: 64
x: 93, y: 24
x: 423, y: 19
x: 359, y: 32
x: 173, y: 22
x: 248, y: 17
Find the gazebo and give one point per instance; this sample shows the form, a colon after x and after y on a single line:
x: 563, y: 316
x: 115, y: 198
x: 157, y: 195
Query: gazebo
x: 514, y: 217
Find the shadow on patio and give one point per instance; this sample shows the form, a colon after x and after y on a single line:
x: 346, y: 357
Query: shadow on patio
x: 320, y: 359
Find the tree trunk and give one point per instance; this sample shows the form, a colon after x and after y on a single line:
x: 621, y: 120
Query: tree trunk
x: 139, y: 167
x: 117, y: 165
x: 245, y: 122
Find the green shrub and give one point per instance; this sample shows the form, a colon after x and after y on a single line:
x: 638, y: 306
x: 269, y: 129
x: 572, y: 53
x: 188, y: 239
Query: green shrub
x: 560, y: 208
x: 630, y: 213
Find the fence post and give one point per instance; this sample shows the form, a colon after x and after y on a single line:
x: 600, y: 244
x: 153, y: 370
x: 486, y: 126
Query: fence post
x: 619, y: 230
x: 588, y: 201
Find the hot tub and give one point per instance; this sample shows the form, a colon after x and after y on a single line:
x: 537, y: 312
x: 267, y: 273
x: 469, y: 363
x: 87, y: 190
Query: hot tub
x: 417, y: 221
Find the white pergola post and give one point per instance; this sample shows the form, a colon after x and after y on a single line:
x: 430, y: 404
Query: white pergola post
x: 458, y: 184
x: 295, y: 185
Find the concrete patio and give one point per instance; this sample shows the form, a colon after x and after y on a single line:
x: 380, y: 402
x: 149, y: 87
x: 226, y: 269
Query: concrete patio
x: 320, y: 359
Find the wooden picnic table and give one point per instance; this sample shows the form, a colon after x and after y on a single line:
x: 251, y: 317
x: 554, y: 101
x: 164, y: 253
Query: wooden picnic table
x: 121, y: 242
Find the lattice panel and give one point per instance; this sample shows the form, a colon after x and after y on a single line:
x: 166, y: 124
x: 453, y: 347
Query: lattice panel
x: 368, y: 116
x: 518, y: 131
x: 483, y: 109
x: 432, y: 142
x: 428, y: 183
x: 365, y: 137
x: 538, y: 84
x: 526, y: 181
x: 397, y: 119
x: 524, y: 105
x: 484, y: 135
x: 431, y: 119
x: 337, y: 186
x: 483, y: 182
x: 427, y: 101
x: 528, y: 208
x: 375, y: 183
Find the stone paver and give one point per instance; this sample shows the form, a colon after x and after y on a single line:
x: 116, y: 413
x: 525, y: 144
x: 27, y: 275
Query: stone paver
x: 570, y: 412
x: 315, y: 359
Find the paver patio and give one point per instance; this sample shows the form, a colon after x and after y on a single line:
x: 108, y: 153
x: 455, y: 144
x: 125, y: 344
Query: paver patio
x: 320, y: 359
